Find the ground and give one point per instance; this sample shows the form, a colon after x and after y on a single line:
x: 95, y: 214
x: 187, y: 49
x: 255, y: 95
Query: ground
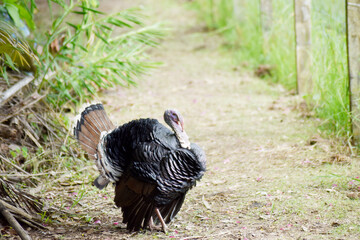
x: 270, y: 174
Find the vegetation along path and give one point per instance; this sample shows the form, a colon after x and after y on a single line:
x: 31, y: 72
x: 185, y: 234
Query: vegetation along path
x: 269, y: 173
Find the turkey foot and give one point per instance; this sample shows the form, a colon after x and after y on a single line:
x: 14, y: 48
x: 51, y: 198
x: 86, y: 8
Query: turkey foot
x: 163, y: 224
x: 152, y: 225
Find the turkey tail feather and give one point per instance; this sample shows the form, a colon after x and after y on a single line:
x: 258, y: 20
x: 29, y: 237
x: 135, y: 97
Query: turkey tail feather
x: 92, y: 121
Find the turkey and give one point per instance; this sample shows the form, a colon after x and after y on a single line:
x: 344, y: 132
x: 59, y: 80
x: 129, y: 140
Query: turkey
x: 152, y: 167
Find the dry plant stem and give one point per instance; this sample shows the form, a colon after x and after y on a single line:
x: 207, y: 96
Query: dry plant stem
x: 12, y: 221
x: 161, y: 220
x: 21, y: 109
x: 14, y: 89
x: 30, y: 175
x: 45, y: 124
x: 16, y: 210
x: 29, y: 128
x: 33, y: 138
x: 18, y: 168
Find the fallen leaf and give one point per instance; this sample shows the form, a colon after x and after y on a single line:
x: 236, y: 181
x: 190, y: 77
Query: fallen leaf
x: 206, y: 203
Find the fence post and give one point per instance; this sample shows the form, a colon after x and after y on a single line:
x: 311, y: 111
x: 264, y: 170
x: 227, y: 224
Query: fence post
x: 266, y: 15
x: 353, y: 49
x: 238, y: 13
x: 303, y: 45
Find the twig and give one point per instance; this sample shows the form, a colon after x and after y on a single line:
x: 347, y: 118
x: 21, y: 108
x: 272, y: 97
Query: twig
x: 354, y: 4
x: 207, y: 236
x: 16, y: 210
x: 67, y: 135
x: 19, y: 110
x: 32, y: 138
x: 12, y: 221
x: 45, y: 124
x: 30, y: 174
x: 350, y: 147
x: 15, y: 166
x: 192, y: 237
x: 27, y: 125
x: 14, y: 89
x: 31, y: 224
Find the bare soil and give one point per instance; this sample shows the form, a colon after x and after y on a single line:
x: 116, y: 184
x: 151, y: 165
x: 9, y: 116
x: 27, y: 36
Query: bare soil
x: 269, y: 173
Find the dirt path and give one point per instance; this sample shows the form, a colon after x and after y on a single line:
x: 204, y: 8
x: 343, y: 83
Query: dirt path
x: 264, y: 179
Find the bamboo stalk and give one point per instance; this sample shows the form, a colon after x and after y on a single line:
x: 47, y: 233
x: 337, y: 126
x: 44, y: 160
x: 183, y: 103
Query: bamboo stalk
x: 303, y: 46
x: 266, y: 12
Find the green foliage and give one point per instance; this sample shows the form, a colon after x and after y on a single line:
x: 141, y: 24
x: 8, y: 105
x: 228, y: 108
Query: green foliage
x: 250, y: 36
x: 329, y: 67
x: 243, y: 35
x: 216, y: 14
x: 20, y: 11
x: 89, y: 56
x: 84, y: 50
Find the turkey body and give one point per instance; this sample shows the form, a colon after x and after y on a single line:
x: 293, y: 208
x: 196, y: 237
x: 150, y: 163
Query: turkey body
x: 151, y: 170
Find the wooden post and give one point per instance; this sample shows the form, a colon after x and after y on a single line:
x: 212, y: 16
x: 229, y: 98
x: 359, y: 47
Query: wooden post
x: 238, y: 6
x: 353, y: 49
x: 266, y: 15
x: 303, y: 46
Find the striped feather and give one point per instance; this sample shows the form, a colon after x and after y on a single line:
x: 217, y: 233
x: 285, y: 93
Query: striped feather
x: 91, y: 122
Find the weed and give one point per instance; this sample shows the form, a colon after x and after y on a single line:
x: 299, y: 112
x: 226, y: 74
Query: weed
x: 80, y: 196
x: 19, y: 152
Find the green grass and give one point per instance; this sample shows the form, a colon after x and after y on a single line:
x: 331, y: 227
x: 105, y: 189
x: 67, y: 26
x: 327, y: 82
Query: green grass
x: 280, y: 48
x: 330, y: 98
x: 330, y: 75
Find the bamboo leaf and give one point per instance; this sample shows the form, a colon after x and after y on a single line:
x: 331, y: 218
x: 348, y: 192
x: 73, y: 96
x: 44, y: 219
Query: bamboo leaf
x: 93, y: 10
x: 79, y: 12
x: 76, y: 27
x: 90, y: 57
x: 101, y: 37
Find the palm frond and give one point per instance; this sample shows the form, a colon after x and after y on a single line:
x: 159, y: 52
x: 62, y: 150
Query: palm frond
x: 19, y: 51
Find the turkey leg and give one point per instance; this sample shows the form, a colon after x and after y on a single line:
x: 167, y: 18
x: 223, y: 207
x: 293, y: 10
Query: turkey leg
x: 152, y: 225
x: 161, y: 220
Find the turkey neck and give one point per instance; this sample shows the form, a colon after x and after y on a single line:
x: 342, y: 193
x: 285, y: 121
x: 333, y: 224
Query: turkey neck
x: 182, y: 137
